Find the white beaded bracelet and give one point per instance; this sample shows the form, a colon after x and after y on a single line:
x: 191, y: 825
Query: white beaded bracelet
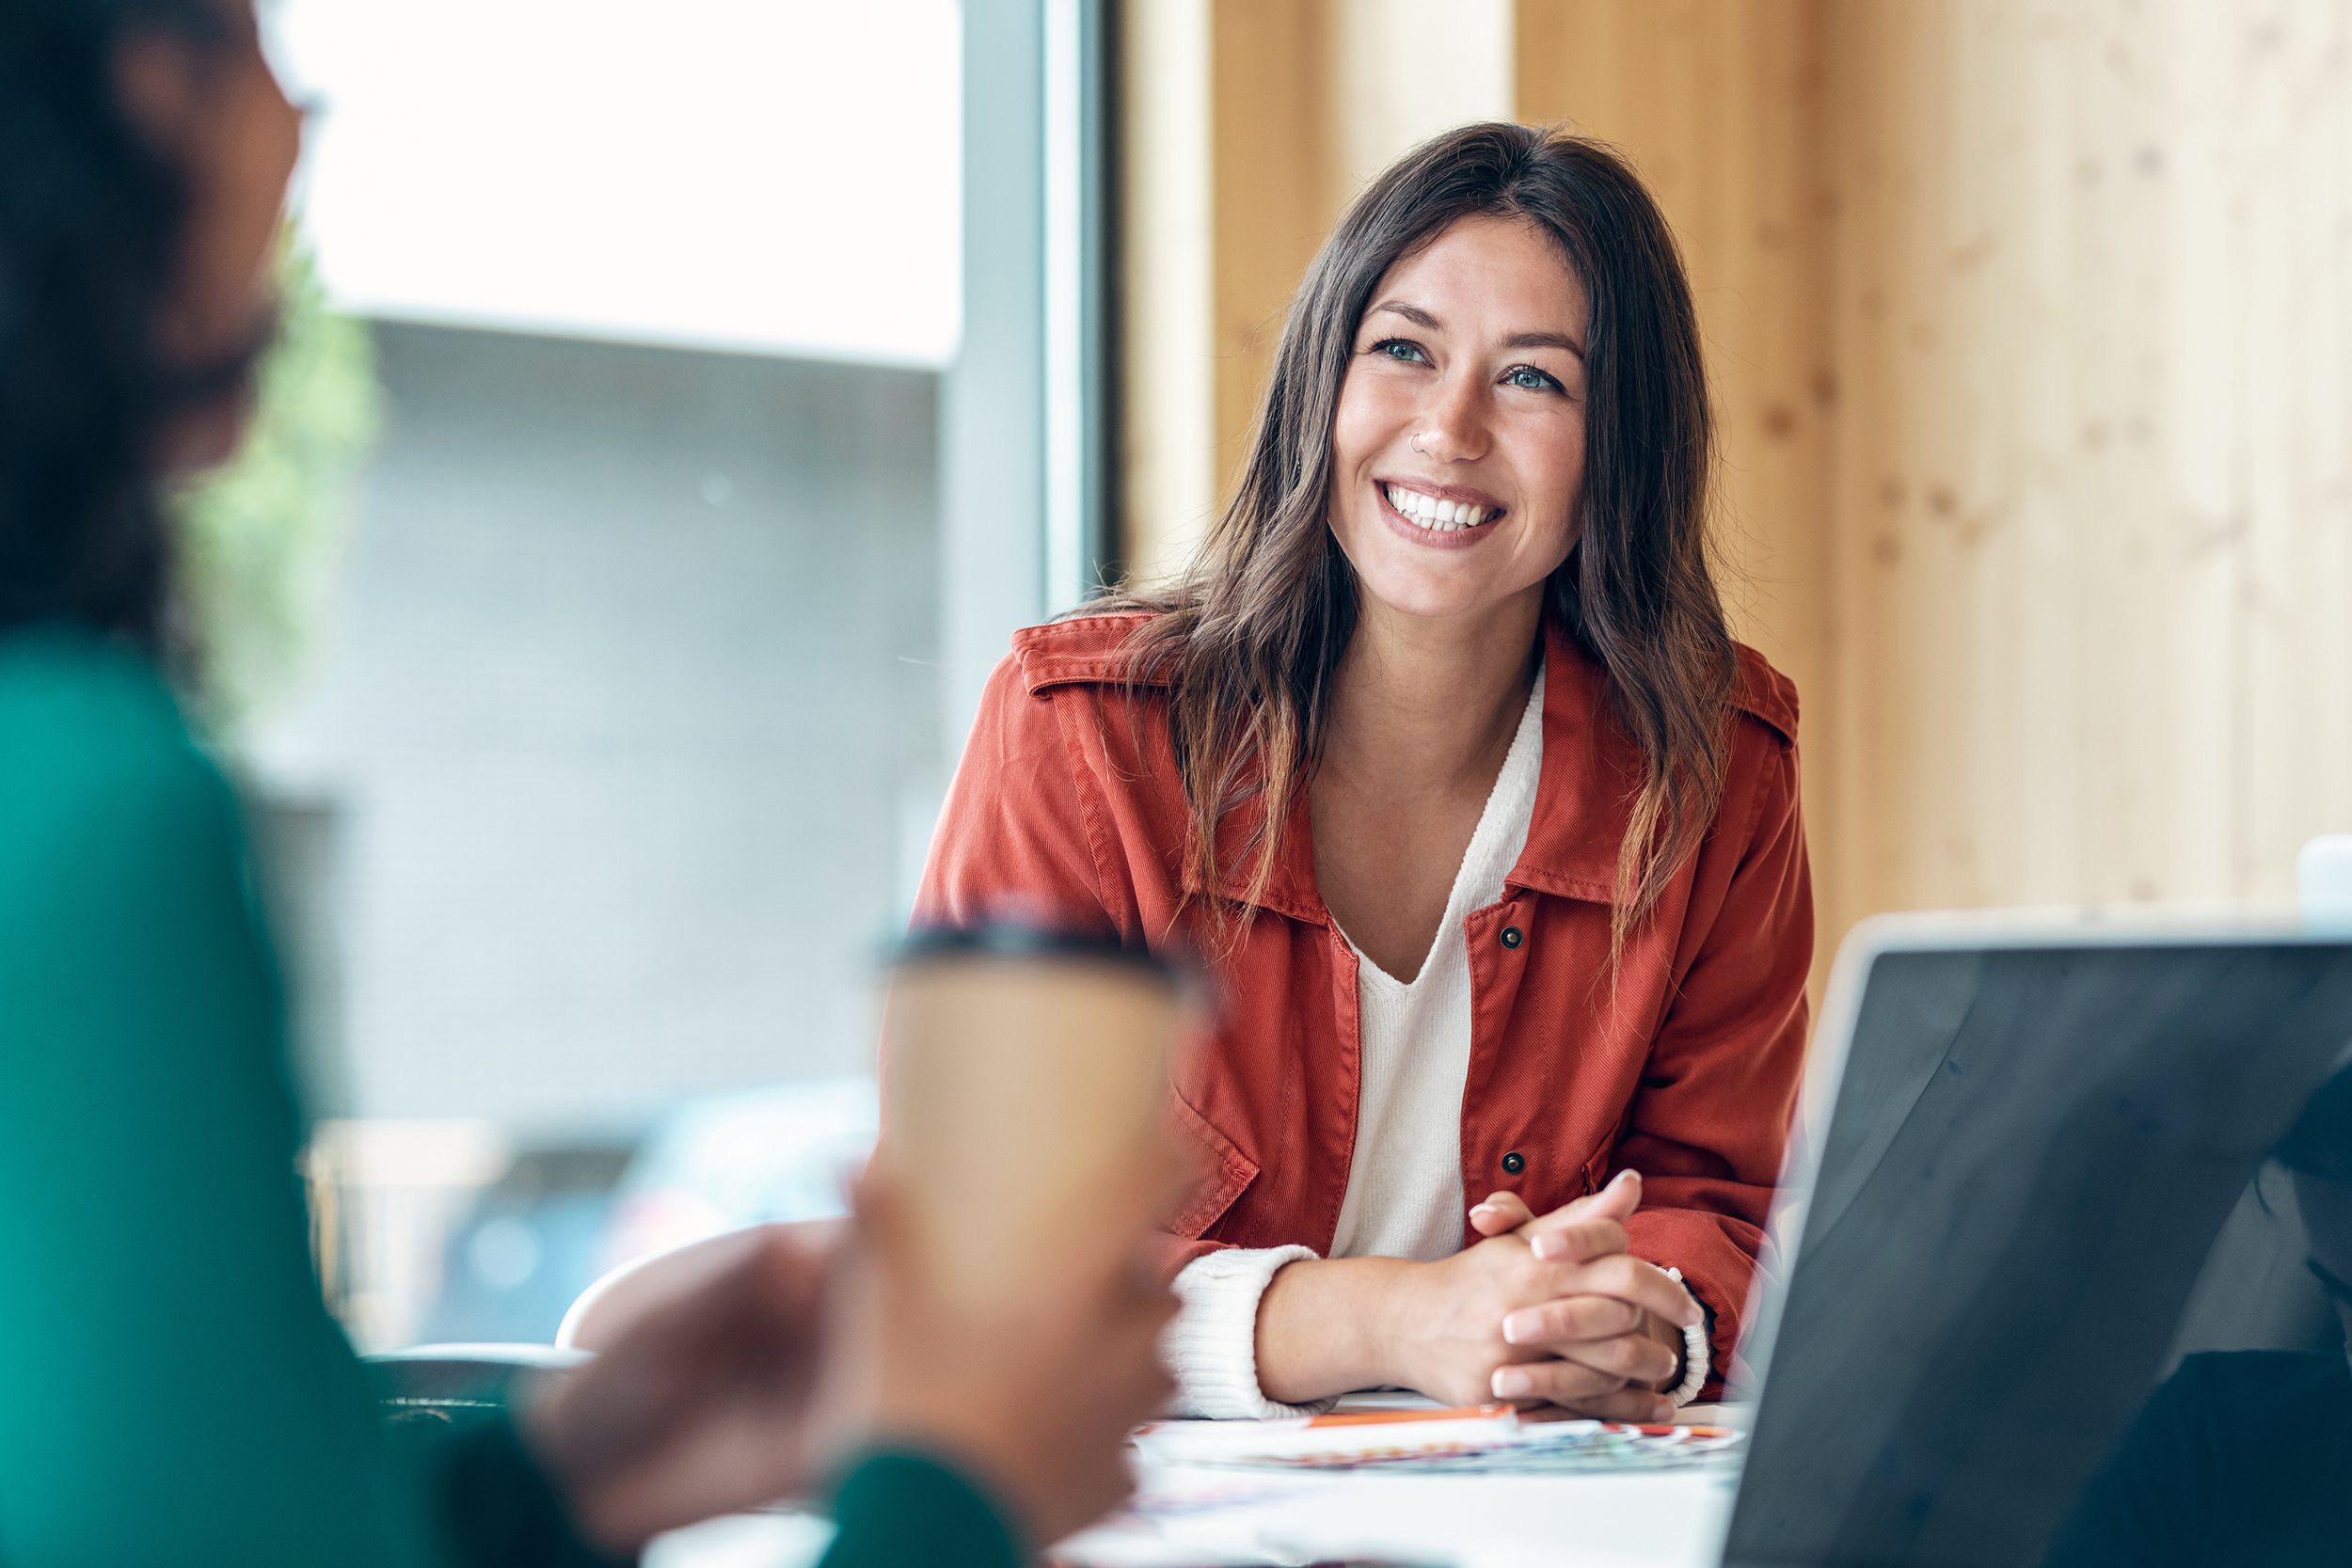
x: 1697, y: 1359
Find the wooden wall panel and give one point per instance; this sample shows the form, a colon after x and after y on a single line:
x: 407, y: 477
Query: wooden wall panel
x: 1405, y: 69
x: 1718, y: 103
x: 2093, y: 615
x: 1273, y: 146
x: 1167, y: 384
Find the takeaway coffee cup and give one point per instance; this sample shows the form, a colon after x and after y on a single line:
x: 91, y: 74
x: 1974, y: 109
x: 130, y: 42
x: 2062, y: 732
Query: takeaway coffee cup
x: 1024, y: 1086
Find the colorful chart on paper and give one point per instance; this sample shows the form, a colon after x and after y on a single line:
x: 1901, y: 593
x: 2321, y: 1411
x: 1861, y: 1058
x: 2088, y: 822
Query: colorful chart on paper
x: 1503, y: 1445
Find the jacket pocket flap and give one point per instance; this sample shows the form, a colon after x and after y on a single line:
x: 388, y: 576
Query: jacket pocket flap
x: 1227, y: 1171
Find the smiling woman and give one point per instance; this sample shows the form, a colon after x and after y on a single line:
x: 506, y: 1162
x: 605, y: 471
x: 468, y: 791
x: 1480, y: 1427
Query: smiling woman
x: 1443, y: 754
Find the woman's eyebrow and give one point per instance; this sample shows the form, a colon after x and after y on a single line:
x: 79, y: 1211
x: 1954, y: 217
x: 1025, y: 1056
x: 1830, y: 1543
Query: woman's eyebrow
x: 1413, y: 313
x: 1422, y: 319
x: 1546, y: 340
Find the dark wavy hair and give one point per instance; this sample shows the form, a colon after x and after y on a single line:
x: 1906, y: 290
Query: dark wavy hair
x: 90, y: 220
x: 1251, y: 639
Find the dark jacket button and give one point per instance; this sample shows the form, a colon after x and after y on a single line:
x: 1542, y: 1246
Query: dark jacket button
x: 1514, y: 1162
x: 1512, y: 936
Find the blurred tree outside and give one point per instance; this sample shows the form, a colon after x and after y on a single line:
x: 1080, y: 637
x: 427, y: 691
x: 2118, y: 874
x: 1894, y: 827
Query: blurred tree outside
x: 260, y: 539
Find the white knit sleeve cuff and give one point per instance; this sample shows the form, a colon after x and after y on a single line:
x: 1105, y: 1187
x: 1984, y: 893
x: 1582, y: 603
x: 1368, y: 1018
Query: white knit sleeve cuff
x: 1698, y: 1359
x: 1211, y: 1347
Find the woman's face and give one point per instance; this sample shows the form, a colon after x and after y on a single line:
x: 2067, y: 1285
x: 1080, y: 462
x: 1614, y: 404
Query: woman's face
x: 1458, y: 449
x: 218, y: 115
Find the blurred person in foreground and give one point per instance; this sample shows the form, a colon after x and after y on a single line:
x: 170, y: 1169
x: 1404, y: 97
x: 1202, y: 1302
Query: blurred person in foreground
x: 2245, y: 1457
x: 174, y: 1389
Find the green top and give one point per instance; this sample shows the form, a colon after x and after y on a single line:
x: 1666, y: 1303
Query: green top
x: 172, y: 1388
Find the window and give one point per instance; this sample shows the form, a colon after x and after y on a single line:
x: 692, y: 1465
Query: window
x: 643, y: 670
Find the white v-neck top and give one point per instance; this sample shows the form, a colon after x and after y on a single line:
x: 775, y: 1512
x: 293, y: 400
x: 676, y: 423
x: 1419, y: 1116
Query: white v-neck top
x: 1404, y: 1196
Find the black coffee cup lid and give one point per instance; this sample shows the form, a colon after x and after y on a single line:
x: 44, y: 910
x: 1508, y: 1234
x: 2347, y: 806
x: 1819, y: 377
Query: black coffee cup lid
x: 1018, y: 939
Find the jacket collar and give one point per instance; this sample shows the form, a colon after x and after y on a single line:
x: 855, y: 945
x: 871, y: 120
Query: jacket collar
x: 1089, y: 650
x: 1592, y: 772
x: 1291, y: 889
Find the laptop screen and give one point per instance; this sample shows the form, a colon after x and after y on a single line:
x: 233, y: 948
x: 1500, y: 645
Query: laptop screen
x: 2043, y: 1191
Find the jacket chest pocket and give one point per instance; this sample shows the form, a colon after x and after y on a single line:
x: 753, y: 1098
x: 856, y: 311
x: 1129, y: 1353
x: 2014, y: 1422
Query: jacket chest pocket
x: 1222, y: 1175
x: 1544, y: 1192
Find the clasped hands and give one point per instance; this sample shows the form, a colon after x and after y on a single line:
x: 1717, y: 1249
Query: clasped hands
x: 1554, y: 1310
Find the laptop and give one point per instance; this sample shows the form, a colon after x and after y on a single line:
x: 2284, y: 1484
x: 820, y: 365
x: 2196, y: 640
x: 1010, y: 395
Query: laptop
x: 2034, y: 1190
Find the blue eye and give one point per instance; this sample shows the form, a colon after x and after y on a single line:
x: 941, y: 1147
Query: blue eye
x: 1528, y: 378
x: 1400, y: 350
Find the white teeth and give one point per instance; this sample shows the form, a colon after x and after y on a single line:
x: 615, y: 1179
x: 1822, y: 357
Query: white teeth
x: 1438, y: 516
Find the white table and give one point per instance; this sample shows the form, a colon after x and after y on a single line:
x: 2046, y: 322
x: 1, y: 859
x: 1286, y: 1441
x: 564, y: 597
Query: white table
x: 1674, y: 1519
x: 1192, y: 1517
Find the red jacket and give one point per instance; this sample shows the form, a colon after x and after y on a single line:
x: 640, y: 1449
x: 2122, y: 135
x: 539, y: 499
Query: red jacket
x: 1067, y: 808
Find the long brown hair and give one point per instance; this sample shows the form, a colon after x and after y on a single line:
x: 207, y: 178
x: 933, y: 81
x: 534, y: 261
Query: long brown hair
x: 1249, y: 638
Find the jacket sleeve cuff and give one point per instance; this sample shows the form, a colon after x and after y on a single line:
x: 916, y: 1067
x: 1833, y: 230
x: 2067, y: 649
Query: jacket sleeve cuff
x: 1698, y: 1359
x: 895, y: 1506
x: 1211, y: 1347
